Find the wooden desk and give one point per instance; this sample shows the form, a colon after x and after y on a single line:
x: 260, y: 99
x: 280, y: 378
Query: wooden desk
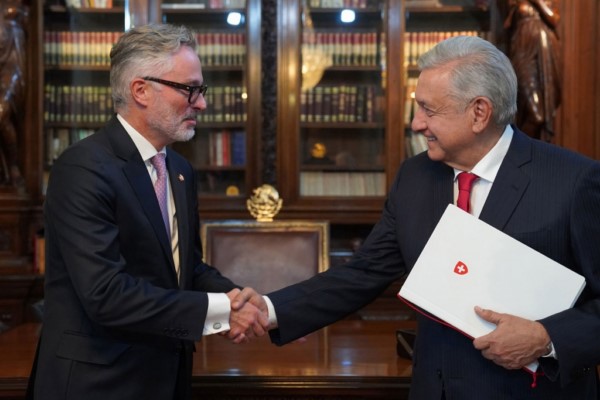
x: 350, y: 359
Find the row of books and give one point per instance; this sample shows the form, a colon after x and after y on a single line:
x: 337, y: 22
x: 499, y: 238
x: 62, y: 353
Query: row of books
x: 226, y: 148
x: 89, y: 3
x: 357, y: 4
x: 415, y: 143
x: 58, y: 139
x: 224, y: 104
x: 418, y: 43
x: 410, y: 105
x: 344, y: 48
x: 342, y: 103
x: 93, y: 104
x: 93, y: 48
x: 222, y: 48
x: 77, y: 104
x: 317, y: 183
x: 78, y: 48
x: 202, y: 4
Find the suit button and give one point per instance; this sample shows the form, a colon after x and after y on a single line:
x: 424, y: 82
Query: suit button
x: 217, y: 325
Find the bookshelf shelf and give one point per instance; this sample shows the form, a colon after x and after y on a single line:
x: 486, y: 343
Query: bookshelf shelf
x: 335, y: 168
x: 338, y: 133
x: 359, y: 144
x: 75, y: 86
x: 342, y: 125
x: 86, y: 10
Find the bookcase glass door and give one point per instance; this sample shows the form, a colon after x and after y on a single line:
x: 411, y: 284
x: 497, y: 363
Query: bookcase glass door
x: 77, y: 99
x: 218, y: 151
x: 342, y: 113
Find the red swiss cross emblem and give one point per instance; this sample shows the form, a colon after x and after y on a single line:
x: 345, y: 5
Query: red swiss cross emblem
x: 461, y: 268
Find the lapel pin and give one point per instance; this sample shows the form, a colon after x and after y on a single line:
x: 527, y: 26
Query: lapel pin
x: 181, y: 178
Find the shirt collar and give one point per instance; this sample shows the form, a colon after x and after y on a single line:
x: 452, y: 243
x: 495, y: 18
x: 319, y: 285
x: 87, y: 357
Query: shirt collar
x: 487, y: 168
x: 145, y: 148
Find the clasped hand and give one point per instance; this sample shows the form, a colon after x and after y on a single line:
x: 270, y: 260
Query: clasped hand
x: 249, y: 315
x: 515, y: 343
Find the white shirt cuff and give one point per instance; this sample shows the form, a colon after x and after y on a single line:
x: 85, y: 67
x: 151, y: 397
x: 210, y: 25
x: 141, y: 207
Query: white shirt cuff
x: 272, y: 316
x: 551, y: 352
x: 217, y: 314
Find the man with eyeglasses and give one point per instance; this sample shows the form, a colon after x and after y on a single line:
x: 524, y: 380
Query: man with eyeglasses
x: 126, y: 291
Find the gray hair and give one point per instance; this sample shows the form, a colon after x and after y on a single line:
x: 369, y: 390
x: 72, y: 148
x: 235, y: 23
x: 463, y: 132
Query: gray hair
x: 142, y: 51
x: 478, y: 68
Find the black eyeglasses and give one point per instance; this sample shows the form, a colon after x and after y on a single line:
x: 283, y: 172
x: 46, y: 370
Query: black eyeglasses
x: 194, y: 91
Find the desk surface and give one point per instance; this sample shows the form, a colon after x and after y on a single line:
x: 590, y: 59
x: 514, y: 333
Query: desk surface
x: 348, y: 356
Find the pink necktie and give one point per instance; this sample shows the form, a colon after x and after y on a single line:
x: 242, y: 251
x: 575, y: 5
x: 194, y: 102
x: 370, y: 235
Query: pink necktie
x: 160, y: 187
x: 465, y: 182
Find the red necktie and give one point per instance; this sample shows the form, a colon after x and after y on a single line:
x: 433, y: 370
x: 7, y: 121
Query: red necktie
x: 465, y: 182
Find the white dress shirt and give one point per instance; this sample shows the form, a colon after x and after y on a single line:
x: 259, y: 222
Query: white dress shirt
x: 219, y: 308
x: 486, y: 169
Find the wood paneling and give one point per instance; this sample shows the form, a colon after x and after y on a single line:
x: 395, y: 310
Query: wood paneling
x: 579, y: 114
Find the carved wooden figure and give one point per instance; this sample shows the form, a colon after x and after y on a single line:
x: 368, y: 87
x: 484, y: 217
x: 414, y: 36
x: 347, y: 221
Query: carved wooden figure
x: 12, y: 88
x: 534, y: 51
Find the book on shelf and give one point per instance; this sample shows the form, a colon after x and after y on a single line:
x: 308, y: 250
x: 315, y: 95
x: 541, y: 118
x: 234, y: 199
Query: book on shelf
x: 89, y: 3
x: 202, y: 4
x: 58, y: 139
x: 78, y: 48
x: 410, y: 105
x: 221, y: 48
x: 418, y: 43
x: 358, y: 4
x: 226, y: 148
x: 357, y: 48
x: 197, y: 5
x: 77, y: 104
x: 415, y: 143
x: 320, y: 183
x: 238, y: 148
x: 225, y: 104
x: 340, y: 103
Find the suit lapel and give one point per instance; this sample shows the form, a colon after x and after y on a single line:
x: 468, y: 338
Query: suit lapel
x: 510, y: 183
x: 137, y: 174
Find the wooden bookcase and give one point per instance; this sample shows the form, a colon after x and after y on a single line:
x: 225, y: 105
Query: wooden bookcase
x: 76, y: 90
x: 341, y: 168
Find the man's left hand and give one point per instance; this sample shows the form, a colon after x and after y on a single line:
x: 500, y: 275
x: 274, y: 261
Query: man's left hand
x: 515, y: 343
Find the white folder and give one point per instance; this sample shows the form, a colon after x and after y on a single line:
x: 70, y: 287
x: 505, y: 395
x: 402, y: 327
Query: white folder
x: 468, y: 263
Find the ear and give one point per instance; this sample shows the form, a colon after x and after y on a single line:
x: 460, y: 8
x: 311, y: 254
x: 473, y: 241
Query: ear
x: 481, y: 113
x: 140, y: 91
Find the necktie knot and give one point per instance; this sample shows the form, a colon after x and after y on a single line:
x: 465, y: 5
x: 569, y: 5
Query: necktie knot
x: 160, y: 187
x: 465, y: 183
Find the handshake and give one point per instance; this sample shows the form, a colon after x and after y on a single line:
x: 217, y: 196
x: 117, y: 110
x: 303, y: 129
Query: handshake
x: 249, y: 316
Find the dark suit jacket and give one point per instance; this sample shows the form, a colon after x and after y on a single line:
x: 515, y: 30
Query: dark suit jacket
x: 546, y: 197
x: 117, y: 324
